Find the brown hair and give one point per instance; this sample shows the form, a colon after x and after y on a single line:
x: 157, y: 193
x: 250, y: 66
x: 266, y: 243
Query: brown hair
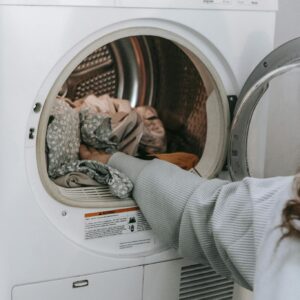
x: 291, y: 212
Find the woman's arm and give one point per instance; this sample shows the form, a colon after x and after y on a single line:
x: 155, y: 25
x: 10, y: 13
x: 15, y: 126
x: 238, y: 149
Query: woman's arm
x: 211, y: 221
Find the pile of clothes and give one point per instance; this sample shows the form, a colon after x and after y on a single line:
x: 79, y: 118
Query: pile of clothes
x: 107, y: 125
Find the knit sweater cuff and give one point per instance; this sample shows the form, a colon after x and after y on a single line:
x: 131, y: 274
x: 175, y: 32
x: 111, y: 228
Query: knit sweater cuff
x: 128, y: 165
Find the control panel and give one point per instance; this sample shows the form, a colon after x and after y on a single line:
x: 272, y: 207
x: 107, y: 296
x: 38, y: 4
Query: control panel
x: 269, y: 5
x: 264, y: 5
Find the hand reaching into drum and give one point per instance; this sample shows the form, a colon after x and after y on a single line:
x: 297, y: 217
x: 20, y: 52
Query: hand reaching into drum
x: 183, y: 160
x: 93, y: 154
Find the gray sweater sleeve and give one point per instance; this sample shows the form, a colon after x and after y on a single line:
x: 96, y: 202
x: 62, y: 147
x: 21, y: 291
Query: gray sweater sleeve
x: 214, y: 221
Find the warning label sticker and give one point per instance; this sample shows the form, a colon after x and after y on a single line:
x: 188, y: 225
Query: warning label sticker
x: 115, y: 222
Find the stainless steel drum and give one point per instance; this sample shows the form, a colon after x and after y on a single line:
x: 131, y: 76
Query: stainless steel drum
x: 148, y: 71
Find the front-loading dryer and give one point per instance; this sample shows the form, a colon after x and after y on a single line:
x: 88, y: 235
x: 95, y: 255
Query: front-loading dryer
x: 187, y: 59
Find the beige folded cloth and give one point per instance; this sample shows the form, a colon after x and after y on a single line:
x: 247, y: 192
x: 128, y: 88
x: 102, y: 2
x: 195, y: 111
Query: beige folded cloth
x: 75, y: 179
x: 104, y: 104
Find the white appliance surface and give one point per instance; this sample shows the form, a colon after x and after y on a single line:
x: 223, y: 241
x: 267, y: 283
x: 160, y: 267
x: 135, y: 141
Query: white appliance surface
x: 114, y: 285
x: 42, y: 240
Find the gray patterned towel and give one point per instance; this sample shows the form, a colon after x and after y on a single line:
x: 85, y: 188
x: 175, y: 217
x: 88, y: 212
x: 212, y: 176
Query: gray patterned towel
x: 63, y: 141
x: 96, y: 131
x: 63, y: 137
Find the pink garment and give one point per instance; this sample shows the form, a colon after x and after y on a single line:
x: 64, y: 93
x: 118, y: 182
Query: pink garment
x: 127, y: 126
x: 132, y: 129
x: 103, y: 104
x: 154, y: 134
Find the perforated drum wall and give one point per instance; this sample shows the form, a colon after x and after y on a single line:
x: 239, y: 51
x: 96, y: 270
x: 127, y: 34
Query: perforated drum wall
x: 162, y: 75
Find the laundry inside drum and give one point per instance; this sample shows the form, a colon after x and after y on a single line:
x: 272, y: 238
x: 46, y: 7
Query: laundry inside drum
x: 148, y: 71
x: 147, y: 83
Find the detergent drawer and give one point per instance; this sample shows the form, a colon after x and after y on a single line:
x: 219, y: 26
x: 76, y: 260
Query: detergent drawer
x: 109, y: 286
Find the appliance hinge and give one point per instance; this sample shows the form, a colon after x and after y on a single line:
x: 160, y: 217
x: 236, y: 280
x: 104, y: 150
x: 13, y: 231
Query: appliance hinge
x: 232, y: 100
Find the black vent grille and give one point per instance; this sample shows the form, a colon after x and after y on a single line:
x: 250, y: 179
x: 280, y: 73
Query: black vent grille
x: 200, y: 282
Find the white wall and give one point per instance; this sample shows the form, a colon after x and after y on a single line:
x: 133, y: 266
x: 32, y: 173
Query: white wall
x: 288, y: 21
x: 283, y: 140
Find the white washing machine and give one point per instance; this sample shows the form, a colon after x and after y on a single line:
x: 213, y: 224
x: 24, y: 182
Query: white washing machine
x: 189, y: 59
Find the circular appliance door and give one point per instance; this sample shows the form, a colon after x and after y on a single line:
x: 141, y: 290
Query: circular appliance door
x: 266, y: 119
x: 147, y: 71
x: 162, y: 70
